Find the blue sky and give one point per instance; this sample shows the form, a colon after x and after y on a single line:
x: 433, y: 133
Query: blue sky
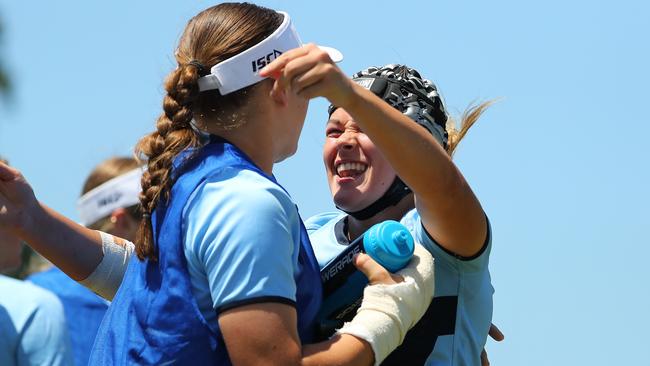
x: 560, y: 164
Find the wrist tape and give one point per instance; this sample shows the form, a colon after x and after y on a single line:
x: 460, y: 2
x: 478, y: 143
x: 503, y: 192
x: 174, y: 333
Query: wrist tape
x: 387, y: 312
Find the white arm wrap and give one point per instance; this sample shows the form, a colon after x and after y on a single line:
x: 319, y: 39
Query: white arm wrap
x: 107, y: 277
x: 387, y: 312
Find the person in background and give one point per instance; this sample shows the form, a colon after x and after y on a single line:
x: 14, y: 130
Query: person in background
x: 110, y: 203
x: 32, y: 322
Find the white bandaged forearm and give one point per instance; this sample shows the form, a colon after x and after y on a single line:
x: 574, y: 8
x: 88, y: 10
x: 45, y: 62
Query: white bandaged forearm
x: 107, y: 277
x: 387, y: 312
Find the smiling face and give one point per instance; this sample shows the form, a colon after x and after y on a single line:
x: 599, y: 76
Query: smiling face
x: 357, y: 172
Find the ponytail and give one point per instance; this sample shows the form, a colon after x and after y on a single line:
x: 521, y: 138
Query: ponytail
x: 467, y: 120
x: 174, y: 133
x: 212, y: 36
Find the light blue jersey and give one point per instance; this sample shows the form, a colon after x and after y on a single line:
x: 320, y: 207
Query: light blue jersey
x: 83, y: 309
x: 245, y: 248
x: 454, y: 329
x: 32, y: 326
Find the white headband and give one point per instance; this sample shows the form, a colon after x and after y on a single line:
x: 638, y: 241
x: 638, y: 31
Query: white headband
x: 243, y: 69
x: 119, y: 192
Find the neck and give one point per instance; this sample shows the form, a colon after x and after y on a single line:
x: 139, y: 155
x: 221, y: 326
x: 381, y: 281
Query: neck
x: 253, y: 142
x: 260, y: 135
x: 254, y: 137
x: 357, y: 227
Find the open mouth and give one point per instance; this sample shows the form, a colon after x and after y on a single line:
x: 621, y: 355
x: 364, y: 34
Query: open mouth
x: 350, y: 169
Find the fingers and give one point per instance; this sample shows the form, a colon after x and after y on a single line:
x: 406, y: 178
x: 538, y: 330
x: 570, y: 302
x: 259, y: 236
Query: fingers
x: 291, y: 71
x: 306, y: 85
x: 484, y: 358
x: 495, y: 333
x: 8, y: 173
x: 371, y: 269
x: 276, y: 67
x: 298, y: 68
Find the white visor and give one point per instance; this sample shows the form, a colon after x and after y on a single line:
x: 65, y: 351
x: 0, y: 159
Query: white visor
x: 243, y: 69
x: 120, y: 192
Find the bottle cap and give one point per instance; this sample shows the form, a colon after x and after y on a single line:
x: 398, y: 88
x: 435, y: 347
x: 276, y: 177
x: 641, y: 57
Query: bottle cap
x: 390, y: 244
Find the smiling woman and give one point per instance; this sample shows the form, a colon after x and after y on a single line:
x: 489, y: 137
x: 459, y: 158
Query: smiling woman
x: 382, y: 168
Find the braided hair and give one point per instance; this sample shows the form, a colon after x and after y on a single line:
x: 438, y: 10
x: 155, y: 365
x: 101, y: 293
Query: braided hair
x: 212, y: 36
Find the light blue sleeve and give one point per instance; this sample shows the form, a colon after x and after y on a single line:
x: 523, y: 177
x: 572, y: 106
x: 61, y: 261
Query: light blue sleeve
x: 476, y: 263
x: 44, y: 338
x: 244, y: 232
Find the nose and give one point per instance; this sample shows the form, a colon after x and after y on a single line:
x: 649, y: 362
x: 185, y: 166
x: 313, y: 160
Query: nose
x: 347, y: 141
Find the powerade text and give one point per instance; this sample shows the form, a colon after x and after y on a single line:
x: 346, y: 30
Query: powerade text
x: 335, y: 267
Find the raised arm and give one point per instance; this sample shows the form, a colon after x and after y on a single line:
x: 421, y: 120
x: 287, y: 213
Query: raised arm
x: 449, y: 209
x: 73, y: 248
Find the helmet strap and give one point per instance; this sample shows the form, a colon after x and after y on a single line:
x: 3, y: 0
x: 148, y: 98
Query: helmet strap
x: 397, y: 190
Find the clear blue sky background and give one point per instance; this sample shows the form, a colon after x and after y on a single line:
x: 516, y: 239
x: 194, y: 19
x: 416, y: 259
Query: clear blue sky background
x: 560, y: 164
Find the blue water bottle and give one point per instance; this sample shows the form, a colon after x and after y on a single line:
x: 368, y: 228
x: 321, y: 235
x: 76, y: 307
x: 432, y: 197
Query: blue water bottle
x: 389, y: 243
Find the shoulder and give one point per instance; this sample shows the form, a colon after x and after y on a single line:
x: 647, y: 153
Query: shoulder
x: 28, y: 299
x: 71, y: 293
x: 477, y: 262
x: 238, y: 208
x: 47, y: 278
x: 322, y: 231
x: 26, y: 291
x: 317, y: 221
x: 234, y: 189
x: 37, y: 315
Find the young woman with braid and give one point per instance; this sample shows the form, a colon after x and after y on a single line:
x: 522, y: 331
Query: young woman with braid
x: 224, y: 272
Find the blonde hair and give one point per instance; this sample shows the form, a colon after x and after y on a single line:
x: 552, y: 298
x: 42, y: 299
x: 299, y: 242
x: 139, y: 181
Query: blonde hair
x: 467, y: 120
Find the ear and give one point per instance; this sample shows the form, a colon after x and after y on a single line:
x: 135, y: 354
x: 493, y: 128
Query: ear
x: 121, y: 220
x: 279, y: 97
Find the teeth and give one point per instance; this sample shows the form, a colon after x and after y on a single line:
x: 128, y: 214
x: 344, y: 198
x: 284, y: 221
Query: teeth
x: 351, y: 167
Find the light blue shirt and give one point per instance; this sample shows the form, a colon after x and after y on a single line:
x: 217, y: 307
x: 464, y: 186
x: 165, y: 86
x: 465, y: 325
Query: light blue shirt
x: 83, y: 309
x: 463, y: 289
x: 241, y: 241
x: 32, y: 326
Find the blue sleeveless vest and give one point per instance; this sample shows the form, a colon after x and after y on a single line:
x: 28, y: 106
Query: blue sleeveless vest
x: 154, y: 318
